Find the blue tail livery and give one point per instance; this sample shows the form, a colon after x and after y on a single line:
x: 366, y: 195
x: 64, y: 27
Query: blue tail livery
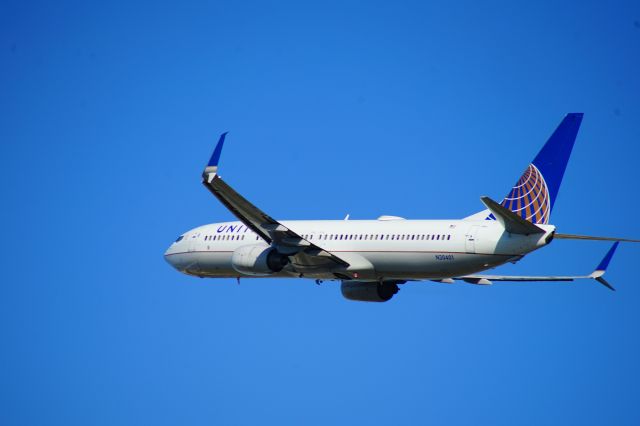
x: 535, y: 193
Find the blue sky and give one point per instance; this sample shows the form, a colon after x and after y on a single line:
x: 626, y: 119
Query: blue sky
x: 109, y: 112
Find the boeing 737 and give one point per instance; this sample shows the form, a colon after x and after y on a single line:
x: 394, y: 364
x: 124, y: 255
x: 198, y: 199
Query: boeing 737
x: 372, y: 258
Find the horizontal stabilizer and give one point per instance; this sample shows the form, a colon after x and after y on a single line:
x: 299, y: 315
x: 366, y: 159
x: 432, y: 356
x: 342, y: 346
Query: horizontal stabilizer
x: 511, y: 221
x: 589, y: 237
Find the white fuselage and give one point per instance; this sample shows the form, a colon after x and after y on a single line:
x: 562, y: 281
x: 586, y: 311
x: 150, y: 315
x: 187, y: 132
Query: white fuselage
x: 377, y: 249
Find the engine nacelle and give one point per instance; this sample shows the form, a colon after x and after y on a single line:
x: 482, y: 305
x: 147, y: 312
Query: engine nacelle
x: 368, y: 291
x: 258, y: 260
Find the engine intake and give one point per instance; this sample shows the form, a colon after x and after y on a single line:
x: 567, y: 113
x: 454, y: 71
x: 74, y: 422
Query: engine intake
x: 368, y: 291
x: 258, y: 260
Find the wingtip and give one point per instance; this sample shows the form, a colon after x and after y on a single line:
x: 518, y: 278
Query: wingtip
x: 607, y: 258
x: 215, y: 157
x: 602, y: 267
x: 605, y: 283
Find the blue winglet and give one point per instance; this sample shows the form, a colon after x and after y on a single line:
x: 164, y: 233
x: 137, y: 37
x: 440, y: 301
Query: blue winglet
x: 607, y: 258
x: 215, y: 157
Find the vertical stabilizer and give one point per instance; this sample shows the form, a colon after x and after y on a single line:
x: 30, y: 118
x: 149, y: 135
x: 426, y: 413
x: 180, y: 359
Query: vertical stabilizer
x: 535, y: 193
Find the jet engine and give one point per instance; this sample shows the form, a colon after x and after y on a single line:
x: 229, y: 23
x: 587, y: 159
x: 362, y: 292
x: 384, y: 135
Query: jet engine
x: 258, y: 260
x: 368, y: 291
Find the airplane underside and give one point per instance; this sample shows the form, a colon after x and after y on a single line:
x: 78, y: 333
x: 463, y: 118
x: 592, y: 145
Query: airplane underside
x: 387, y: 266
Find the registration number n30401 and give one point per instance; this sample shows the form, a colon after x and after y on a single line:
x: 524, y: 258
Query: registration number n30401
x: 444, y: 257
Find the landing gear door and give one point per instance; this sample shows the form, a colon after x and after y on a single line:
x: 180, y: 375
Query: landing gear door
x: 470, y: 241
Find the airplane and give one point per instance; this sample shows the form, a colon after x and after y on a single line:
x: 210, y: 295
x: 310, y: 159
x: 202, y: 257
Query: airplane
x: 372, y: 258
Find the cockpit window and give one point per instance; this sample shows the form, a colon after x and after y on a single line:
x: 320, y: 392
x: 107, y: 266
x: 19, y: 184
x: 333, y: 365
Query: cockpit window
x: 180, y: 238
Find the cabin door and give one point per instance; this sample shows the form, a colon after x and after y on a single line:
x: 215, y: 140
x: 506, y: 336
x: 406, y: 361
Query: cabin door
x: 470, y: 242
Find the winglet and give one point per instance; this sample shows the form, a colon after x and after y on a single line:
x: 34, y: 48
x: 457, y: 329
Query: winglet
x: 602, y: 267
x: 212, y: 166
x: 215, y: 157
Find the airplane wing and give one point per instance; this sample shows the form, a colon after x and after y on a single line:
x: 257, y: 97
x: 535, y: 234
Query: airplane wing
x: 305, y: 256
x: 596, y: 275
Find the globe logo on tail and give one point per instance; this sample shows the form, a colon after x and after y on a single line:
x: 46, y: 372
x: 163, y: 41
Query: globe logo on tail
x: 529, y: 198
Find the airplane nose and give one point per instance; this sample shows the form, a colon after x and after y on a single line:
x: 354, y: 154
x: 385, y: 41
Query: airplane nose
x: 171, y: 258
x: 178, y: 259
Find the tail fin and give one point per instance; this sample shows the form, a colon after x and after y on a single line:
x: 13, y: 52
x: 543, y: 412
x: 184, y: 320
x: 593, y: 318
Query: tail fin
x: 534, y: 195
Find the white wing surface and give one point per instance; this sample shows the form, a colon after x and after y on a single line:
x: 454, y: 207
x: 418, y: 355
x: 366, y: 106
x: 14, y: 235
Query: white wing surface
x: 596, y: 275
